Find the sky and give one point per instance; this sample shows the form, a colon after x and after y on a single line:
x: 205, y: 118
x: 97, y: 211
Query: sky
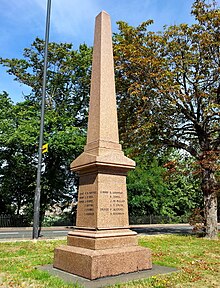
x: 72, y: 21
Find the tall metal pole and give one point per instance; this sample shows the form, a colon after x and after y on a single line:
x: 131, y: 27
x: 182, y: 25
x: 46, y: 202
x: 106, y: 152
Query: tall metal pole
x: 38, y: 187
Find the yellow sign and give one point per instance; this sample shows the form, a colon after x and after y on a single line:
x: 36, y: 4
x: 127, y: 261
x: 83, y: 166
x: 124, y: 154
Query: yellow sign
x: 45, y: 148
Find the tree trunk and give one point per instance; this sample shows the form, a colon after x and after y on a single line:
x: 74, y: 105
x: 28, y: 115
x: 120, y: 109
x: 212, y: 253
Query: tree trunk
x: 209, y: 188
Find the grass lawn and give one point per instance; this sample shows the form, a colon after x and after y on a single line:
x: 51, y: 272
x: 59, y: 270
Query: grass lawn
x: 197, y: 259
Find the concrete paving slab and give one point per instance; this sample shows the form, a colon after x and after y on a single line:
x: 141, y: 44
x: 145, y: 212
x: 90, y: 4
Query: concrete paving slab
x: 105, y: 281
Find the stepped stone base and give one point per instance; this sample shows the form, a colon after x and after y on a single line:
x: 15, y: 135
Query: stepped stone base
x: 93, y: 264
x: 99, y: 240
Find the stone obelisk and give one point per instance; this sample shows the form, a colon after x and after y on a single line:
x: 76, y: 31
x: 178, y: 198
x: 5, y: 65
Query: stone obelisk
x: 102, y: 243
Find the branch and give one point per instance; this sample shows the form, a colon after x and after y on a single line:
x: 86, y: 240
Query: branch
x: 218, y: 94
x: 181, y: 145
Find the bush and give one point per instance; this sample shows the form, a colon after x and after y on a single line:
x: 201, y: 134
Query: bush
x: 66, y: 219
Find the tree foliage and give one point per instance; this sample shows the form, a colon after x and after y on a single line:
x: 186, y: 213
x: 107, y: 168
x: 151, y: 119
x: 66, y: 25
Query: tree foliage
x: 16, y: 155
x: 65, y: 122
x: 168, y: 95
x: 164, y: 186
x: 169, y: 92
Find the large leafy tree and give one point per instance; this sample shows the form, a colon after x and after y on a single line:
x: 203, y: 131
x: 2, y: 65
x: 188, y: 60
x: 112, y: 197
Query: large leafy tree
x: 168, y: 87
x: 65, y: 121
x: 161, y: 187
x: 16, y: 154
x: 68, y: 77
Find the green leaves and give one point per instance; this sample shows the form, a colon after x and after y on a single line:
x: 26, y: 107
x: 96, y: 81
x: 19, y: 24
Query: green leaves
x: 168, y: 82
x: 169, y: 190
x: 64, y: 128
x: 168, y: 90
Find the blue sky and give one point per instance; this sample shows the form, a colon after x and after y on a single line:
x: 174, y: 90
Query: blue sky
x: 73, y: 21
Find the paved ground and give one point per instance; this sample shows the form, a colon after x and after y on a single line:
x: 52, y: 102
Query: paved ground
x: 155, y: 229
x: 25, y: 233
x: 103, y: 282
x: 58, y: 232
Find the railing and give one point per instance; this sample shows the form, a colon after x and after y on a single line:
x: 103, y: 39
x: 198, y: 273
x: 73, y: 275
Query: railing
x: 13, y: 221
x: 22, y: 221
x: 159, y: 219
x: 153, y: 219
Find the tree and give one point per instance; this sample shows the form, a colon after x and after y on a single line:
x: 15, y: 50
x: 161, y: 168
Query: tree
x: 65, y: 120
x: 164, y: 185
x: 147, y: 189
x: 68, y: 77
x: 169, y: 92
x: 184, y: 194
x: 16, y: 182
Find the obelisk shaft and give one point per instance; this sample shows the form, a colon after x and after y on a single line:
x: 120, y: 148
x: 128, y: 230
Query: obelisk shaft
x: 102, y: 244
x: 103, y: 123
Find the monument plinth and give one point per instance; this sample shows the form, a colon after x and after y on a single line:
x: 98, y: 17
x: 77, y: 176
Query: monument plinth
x: 102, y: 243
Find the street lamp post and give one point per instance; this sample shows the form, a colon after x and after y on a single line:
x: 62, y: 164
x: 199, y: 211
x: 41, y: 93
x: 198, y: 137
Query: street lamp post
x: 38, y: 187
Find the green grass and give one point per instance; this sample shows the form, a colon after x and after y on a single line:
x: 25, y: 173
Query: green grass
x: 197, y: 259
x: 18, y: 262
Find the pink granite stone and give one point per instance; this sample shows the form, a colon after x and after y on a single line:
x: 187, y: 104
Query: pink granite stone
x: 93, y: 264
x: 102, y: 243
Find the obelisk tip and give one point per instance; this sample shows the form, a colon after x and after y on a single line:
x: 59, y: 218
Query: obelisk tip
x: 103, y: 12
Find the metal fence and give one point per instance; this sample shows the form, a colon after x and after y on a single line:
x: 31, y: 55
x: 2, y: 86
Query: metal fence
x: 155, y: 219
x: 158, y: 219
x: 13, y: 221
x: 149, y: 219
x: 22, y: 221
